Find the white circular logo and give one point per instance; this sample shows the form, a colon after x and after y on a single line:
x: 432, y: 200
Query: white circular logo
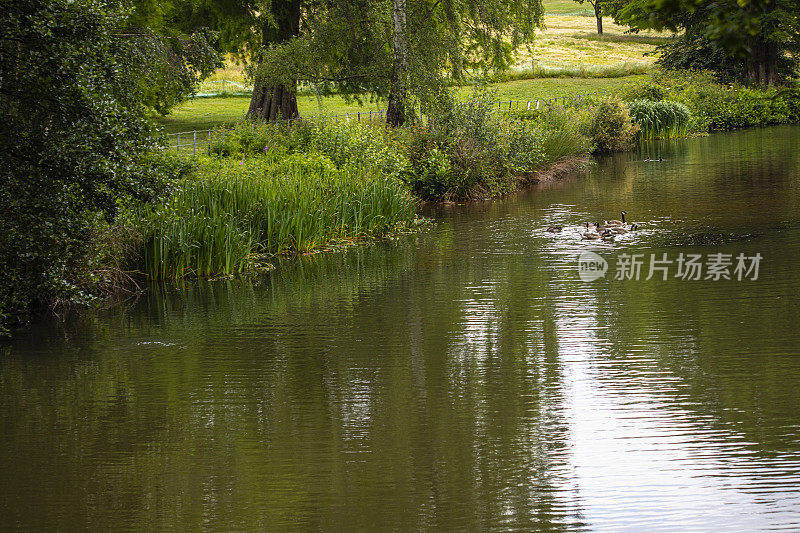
x: 591, y: 266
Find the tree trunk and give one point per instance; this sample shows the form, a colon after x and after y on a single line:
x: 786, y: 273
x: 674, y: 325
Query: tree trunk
x: 274, y: 102
x: 456, y: 59
x: 762, y: 65
x: 396, y: 108
x: 772, y: 64
x: 599, y: 15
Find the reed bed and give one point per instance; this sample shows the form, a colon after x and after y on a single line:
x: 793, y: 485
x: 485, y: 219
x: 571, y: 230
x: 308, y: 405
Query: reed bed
x: 662, y: 119
x: 218, y: 222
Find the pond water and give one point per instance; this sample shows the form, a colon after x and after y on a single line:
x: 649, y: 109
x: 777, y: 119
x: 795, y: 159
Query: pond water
x: 464, y: 378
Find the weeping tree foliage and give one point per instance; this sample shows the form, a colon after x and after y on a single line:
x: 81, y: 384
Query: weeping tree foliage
x: 165, y: 69
x: 398, y: 50
x: 242, y: 29
x: 166, y: 53
x: 751, y: 41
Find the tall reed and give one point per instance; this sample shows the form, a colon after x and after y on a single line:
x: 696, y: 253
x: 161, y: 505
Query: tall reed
x: 662, y: 119
x: 216, y: 222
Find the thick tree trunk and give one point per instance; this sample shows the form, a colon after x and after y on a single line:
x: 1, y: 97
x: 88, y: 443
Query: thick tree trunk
x: 599, y: 15
x: 272, y: 102
x: 771, y: 60
x: 396, y: 108
x: 762, y: 65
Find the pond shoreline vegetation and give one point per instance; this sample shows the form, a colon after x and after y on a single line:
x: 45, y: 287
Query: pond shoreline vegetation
x: 266, y: 189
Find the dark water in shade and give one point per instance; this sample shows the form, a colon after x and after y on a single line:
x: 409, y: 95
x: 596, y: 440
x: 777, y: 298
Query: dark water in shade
x: 463, y: 379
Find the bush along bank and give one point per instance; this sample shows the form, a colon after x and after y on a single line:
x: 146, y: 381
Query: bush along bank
x: 465, y: 151
x: 671, y: 104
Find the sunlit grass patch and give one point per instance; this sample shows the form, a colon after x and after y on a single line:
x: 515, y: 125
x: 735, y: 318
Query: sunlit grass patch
x: 572, y: 41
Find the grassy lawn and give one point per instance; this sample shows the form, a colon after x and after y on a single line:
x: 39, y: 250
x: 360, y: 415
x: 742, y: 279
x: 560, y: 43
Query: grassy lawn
x: 206, y: 113
x: 567, y: 7
x: 550, y: 87
x: 572, y: 40
x: 568, y: 44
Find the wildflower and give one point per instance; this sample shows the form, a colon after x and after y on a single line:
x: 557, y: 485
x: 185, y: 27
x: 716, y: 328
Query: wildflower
x: 266, y: 149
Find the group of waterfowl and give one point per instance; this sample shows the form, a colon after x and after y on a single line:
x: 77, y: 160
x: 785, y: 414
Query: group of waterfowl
x: 606, y: 231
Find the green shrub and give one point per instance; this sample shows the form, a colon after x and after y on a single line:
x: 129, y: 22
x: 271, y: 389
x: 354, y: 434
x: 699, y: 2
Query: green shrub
x: 660, y: 120
x: 436, y: 176
x: 522, y: 145
x: 345, y: 144
x: 470, y: 135
x: 610, y: 128
x: 718, y: 107
x: 479, y: 170
x: 360, y: 145
x: 258, y: 138
x: 714, y: 106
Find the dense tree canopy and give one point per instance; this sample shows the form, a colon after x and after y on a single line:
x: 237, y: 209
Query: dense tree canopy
x: 75, y: 87
x: 756, y: 41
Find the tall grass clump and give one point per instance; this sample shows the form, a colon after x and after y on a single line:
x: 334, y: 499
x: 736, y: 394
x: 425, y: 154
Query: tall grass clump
x: 559, y: 131
x: 660, y: 119
x: 219, y: 221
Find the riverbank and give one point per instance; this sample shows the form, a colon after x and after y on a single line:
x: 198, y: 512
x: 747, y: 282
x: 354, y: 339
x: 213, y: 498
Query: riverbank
x: 269, y: 189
